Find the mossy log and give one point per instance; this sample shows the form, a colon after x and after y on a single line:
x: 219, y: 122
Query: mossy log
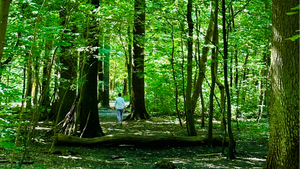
x: 138, y: 140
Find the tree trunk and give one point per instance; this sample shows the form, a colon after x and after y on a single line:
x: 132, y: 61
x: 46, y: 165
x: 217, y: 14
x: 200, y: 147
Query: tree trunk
x: 100, y: 68
x: 198, y: 27
x: 189, y: 113
x: 221, y: 87
x: 202, y: 65
x: 29, y: 82
x: 182, y: 72
x: 131, y: 139
x: 244, y: 78
x: 214, y: 67
x: 89, y: 117
x: 138, y: 110
x: 231, y: 58
x: 66, y: 78
x: 129, y: 62
x: 261, y: 95
x: 45, y: 102
x: 66, y: 95
x: 284, y: 104
x: 223, y: 121
x: 174, y: 75
x: 237, y: 85
x: 125, y: 93
x: 4, y: 10
x: 241, y: 86
x: 262, y: 89
x: 36, y: 80
x: 231, y: 72
x: 231, y: 140
x: 203, y: 109
x: 106, y: 70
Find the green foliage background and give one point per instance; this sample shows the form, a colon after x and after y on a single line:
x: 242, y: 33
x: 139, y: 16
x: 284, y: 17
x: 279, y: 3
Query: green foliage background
x: 251, y: 34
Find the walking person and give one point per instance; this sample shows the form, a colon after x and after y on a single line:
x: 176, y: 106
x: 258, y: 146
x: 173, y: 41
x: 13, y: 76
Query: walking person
x: 120, y: 105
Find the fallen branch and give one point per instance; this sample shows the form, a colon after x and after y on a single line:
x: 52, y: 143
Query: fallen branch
x: 137, y: 140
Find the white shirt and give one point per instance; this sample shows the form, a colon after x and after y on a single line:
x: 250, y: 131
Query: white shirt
x: 120, y: 103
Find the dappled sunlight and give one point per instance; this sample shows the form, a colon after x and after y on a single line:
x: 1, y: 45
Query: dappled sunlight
x: 111, y: 123
x: 217, y: 122
x: 178, y: 161
x: 128, y: 155
x: 120, y: 130
x: 277, y: 37
x: 252, y: 159
x: 167, y: 132
x: 138, y: 133
x: 209, y: 165
x: 71, y: 157
x: 164, y: 122
x: 68, y: 61
x: 42, y: 128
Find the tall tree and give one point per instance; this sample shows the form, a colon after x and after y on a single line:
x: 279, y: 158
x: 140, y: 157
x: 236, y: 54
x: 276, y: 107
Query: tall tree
x: 89, y: 118
x: 4, y: 9
x: 45, y: 102
x: 29, y: 81
x: 100, y: 67
x: 284, y: 104
x: 231, y: 143
x: 189, y: 113
x: 214, y: 64
x: 202, y: 65
x: 66, y: 94
x: 129, y: 61
x: 138, y: 110
x: 105, y: 102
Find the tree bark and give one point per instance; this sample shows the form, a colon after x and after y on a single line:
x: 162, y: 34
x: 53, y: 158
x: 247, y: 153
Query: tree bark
x: 4, y: 10
x: 125, y: 86
x: 89, y: 117
x: 129, y: 62
x: 138, y: 110
x: 222, y: 91
x: 131, y: 139
x: 244, y: 78
x: 45, y: 102
x: 29, y: 82
x: 202, y: 65
x: 66, y: 95
x: 198, y: 27
x: 66, y: 78
x: 203, y: 109
x: 262, y: 88
x: 100, y: 68
x: 231, y: 146
x: 214, y: 66
x: 106, y: 69
x: 174, y: 75
x: 189, y: 113
x: 231, y: 58
x: 284, y: 104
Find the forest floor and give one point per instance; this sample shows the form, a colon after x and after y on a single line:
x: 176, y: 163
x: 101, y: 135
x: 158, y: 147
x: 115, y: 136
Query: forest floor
x: 251, y: 148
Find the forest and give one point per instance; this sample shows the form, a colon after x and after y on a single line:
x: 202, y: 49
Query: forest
x: 206, y: 83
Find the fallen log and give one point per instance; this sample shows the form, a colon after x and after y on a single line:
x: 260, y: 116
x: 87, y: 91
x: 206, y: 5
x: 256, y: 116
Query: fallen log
x: 138, y: 140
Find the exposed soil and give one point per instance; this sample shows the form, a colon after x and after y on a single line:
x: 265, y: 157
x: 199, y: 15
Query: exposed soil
x: 251, y: 148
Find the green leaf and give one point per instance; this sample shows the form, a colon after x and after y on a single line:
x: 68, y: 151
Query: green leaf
x: 297, y: 7
x: 295, y: 37
x: 291, y: 13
